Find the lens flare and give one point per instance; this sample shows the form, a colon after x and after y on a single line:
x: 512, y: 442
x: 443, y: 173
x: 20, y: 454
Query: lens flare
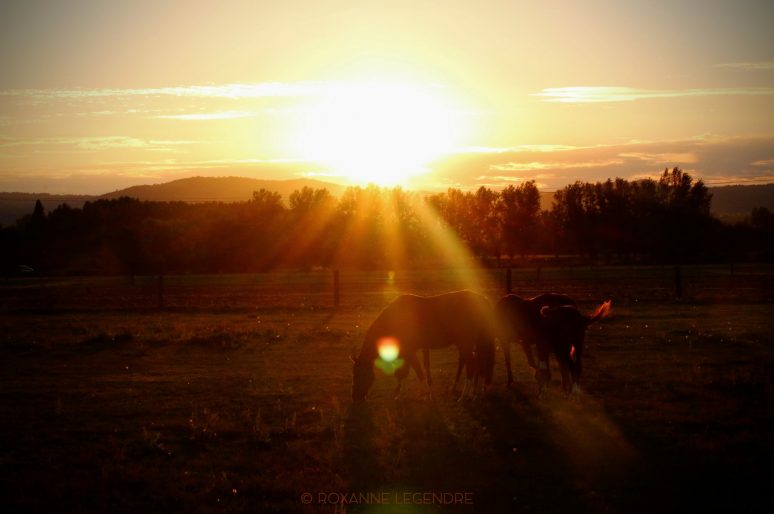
x: 388, y: 348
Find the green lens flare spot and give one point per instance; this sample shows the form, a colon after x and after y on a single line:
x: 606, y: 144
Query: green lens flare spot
x: 389, y: 368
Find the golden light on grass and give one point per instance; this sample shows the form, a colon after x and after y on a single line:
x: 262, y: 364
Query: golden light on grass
x: 380, y: 132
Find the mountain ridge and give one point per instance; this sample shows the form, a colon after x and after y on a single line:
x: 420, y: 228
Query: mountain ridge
x: 729, y: 203
x: 218, y: 189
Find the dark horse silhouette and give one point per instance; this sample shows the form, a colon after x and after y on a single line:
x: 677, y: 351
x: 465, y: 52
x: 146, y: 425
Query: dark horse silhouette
x: 563, y: 333
x: 520, y: 320
x: 463, y: 319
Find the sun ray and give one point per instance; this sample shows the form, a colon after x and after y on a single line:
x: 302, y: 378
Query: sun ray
x: 454, y: 253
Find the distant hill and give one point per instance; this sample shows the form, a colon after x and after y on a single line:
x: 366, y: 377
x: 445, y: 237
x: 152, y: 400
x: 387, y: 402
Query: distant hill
x: 736, y: 202
x: 218, y: 189
x: 15, y: 205
x: 193, y: 190
x: 729, y: 203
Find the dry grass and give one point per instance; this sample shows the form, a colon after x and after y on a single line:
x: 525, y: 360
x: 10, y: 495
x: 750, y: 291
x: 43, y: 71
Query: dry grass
x: 246, y: 408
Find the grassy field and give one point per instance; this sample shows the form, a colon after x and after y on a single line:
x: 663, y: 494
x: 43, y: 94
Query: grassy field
x: 235, y: 397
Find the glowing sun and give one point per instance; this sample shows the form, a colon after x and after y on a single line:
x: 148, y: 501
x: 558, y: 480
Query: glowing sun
x: 380, y: 132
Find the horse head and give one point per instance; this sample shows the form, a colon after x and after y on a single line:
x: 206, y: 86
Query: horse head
x: 362, y: 378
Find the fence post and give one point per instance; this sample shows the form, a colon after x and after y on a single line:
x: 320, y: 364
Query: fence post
x: 678, y: 282
x: 161, y: 291
x: 336, y: 288
x: 508, y: 281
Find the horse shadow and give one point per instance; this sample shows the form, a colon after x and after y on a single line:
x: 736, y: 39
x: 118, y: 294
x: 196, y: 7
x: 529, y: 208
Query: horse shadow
x: 560, y: 453
x: 360, y: 453
x: 511, y: 450
x: 409, y: 446
x: 535, y: 476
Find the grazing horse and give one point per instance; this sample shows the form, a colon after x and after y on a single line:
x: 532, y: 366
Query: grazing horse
x: 463, y: 319
x: 563, y: 332
x: 520, y: 319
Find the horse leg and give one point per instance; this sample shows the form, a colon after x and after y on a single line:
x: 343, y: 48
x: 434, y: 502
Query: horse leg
x: 414, y: 363
x: 543, y: 370
x: 460, y: 365
x: 566, y: 367
x: 402, y: 372
x: 474, y: 375
x: 426, y: 355
x: 469, y: 362
x: 563, y: 348
x: 507, y: 354
x: 527, y: 346
x: 577, y: 366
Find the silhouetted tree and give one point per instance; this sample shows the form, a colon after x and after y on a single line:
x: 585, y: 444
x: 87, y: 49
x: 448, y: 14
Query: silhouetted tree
x: 570, y: 218
x: 311, y: 218
x: 519, y: 212
x: 308, y: 199
x: 667, y: 219
x: 267, y: 201
x: 360, y: 227
x: 685, y: 214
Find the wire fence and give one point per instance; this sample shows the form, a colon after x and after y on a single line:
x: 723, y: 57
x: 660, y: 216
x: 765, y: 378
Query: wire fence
x: 327, y: 289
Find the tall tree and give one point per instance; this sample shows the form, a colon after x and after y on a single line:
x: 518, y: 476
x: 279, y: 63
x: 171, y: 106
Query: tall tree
x: 519, y: 216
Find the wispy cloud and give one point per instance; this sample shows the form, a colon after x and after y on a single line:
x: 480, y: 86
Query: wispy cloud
x: 711, y: 157
x: 600, y: 94
x: 234, y: 91
x: 97, y: 143
x: 514, y: 149
x: 661, y: 158
x: 102, y: 143
x: 203, y: 116
x: 540, y: 165
x: 748, y: 66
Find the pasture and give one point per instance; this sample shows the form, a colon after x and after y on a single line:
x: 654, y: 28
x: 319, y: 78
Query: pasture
x: 236, y: 397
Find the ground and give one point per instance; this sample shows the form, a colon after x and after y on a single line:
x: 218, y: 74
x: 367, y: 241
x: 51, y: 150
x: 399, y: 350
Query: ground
x: 235, y: 397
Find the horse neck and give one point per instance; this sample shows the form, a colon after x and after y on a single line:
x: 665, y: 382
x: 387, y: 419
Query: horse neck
x: 368, y: 351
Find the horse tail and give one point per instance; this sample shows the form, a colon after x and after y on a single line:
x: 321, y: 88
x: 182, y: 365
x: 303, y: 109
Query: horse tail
x: 601, y: 312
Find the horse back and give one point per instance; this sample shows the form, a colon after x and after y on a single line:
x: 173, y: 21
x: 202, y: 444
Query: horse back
x: 453, y: 319
x: 552, y: 300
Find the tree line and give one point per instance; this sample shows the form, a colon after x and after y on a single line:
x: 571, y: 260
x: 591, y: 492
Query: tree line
x: 664, y: 220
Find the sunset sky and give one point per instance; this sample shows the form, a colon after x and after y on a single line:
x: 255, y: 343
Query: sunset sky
x: 100, y: 95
